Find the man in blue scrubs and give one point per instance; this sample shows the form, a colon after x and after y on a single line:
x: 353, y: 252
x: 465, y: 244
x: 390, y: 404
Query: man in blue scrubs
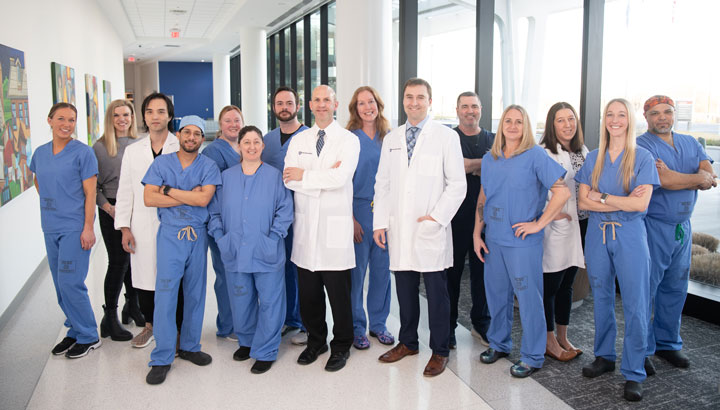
x: 286, y: 107
x: 180, y: 185
x: 474, y: 142
x: 683, y: 167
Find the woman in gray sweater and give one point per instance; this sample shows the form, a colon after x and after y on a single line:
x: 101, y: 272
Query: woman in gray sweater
x: 120, y: 131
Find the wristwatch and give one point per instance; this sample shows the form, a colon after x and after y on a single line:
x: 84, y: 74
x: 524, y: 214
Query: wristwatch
x: 604, y: 198
x: 167, y: 188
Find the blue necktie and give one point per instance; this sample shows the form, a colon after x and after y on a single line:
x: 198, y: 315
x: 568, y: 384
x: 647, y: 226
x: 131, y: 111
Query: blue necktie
x: 320, y: 141
x: 411, y: 135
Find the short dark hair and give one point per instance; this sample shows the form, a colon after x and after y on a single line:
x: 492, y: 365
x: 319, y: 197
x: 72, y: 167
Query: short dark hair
x: 249, y: 128
x: 284, y: 88
x: 60, y: 105
x: 170, y: 108
x: 467, y: 94
x: 417, y: 81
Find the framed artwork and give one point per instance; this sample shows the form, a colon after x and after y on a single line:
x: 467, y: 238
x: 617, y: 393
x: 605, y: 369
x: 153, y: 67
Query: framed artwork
x: 93, y: 110
x: 107, y: 95
x: 63, y: 85
x: 15, y: 175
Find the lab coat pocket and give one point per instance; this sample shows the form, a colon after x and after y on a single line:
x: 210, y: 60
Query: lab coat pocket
x: 339, y: 232
x: 430, y: 235
x: 429, y: 165
x: 267, y: 250
x: 561, y: 227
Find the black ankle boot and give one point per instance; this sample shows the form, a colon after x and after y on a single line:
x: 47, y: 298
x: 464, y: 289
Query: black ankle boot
x: 131, y: 310
x: 110, y: 326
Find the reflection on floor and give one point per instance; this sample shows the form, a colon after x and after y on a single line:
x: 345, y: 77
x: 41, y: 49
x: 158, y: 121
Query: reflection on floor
x: 114, y: 375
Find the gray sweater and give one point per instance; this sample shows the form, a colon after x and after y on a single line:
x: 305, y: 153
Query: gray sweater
x: 109, y: 169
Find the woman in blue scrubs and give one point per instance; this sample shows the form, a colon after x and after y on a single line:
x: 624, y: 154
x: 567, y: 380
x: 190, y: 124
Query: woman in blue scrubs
x: 516, y: 176
x: 616, y: 185
x: 250, y: 216
x: 66, y: 177
x: 225, y: 151
x: 370, y: 125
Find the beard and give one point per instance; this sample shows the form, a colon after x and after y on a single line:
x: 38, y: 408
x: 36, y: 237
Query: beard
x: 285, y: 116
x: 190, y: 150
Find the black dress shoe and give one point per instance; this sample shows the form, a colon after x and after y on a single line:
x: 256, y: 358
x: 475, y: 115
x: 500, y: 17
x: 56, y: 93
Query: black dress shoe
x: 491, y: 356
x: 633, y: 391
x: 198, y: 358
x: 261, y: 366
x: 598, y: 367
x: 337, y: 361
x: 243, y: 353
x: 521, y: 369
x: 310, y: 354
x: 649, y: 367
x: 452, y: 342
x: 157, y: 374
x: 675, y: 357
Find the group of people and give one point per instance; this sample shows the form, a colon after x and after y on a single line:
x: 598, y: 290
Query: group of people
x: 301, y: 212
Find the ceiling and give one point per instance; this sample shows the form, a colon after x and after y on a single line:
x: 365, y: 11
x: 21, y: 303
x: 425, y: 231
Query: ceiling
x: 206, y: 27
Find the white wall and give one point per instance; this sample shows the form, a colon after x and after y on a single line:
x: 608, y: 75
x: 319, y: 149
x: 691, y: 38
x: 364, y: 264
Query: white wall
x: 74, y: 33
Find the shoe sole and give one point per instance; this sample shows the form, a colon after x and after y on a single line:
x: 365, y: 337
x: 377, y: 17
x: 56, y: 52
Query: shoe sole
x: 64, y: 351
x: 85, y: 353
x: 298, y: 343
x: 152, y: 339
x: 493, y: 360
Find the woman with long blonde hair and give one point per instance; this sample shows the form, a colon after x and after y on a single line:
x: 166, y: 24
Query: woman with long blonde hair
x: 120, y: 131
x: 616, y: 184
x: 370, y: 125
x: 516, y: 175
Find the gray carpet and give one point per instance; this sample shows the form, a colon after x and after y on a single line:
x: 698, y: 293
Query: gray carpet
x: 695, y: 388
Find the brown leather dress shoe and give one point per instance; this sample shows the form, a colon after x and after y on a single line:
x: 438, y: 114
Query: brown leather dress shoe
x: 396, y: 353
x: 436, y: 365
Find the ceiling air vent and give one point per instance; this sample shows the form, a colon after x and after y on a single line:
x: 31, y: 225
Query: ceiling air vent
x: 172, y: 45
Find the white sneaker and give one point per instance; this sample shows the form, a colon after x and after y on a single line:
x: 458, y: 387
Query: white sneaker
x: 300, y: 339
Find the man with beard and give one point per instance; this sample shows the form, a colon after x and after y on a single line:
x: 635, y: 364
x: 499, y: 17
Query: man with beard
x: 180, y: 185
x: 683, y: 167
x: 474, y: 142
x: 285, y: 106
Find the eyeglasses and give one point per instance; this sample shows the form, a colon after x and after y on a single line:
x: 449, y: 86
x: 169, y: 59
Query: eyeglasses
x: 187, y: 133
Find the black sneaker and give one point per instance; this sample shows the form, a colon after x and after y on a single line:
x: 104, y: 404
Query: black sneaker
x: 633, y: 391
x: 261, y: 366
x: 82, y: 349
x: 598, y: 367
x: 675, y: 357
x: 649, y: 367
x: 157, y: 374
x: 199, y: 358
x: 243, y: 353
x: 63, y: 346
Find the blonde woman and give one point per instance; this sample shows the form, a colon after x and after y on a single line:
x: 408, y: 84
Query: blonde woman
x: 616, y: 183
x: 516, y: 176
x: 120, y: 131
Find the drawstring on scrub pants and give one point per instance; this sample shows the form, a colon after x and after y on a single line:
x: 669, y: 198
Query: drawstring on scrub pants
x: 613, y: 224
x: 187, y: 232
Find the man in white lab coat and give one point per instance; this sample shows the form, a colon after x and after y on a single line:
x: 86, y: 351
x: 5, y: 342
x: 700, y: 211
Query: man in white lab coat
x: 419, y: 186
x: 319, y: 167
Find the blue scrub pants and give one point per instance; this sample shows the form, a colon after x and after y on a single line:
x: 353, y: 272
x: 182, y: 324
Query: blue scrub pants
x: 626, y: 256
x: 224, y: 319
x: 178, y: 259
x: 669, y: 274
x: 258, y: 310
x: 407, y: 286
x: 69, y: 267
x: 292, y: 314
x: 378, y: 296
x: 508, y: 271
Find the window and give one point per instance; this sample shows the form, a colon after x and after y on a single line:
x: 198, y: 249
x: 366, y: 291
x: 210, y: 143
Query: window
x: 300, y: 73
x: 332, y: 72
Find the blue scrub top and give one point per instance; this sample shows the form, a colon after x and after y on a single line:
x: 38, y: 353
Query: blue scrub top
x: 60, y: 178
x: 668, y: 205
x: 274, y: 153
x: 364, y: 178
x: 250, y: 215
x: 516, y: 189
x: 167, y: 170
x: 222, y: 153
x: 611, y: 180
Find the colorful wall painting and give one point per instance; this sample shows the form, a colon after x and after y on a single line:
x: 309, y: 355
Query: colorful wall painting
x: 93, y: 110
x: 63, y: 85
x: 15, y: 150
x: 107, y: 95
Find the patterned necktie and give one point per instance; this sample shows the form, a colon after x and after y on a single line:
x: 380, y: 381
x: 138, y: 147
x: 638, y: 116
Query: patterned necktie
x: 411, y: 135
x: 320, y: 141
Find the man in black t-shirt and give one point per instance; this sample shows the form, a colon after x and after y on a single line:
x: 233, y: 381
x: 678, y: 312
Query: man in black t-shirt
x: 475, y: 142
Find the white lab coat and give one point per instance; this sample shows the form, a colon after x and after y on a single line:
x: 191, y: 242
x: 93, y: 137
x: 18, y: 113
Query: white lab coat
x: 562, y: 247
x: 433, y: 184
x: 323, y: 225
x: 130, y: 209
